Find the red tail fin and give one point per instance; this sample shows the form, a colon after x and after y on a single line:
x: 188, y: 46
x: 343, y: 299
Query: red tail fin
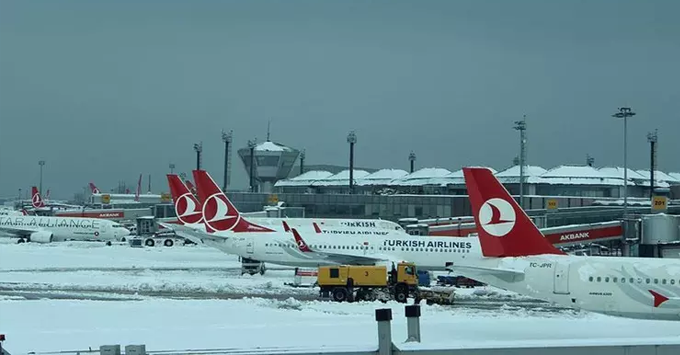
x: 316, y: 227
x: 94, y: 189
x: 187, y: 207
x: 219, y: 213
x: 504, y: 228
x: 286, y: 228
x: 36, y: 200
x: 300, y: 242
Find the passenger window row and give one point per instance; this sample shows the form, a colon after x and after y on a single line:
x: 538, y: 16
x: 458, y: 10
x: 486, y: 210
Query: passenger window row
x: 363, y: 247
x: 633, y: 280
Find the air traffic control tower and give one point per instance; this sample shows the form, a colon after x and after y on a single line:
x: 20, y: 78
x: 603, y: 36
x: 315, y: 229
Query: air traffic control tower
x: 271, y: 162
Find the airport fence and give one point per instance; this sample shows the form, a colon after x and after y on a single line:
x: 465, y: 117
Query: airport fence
x: 386, y: 346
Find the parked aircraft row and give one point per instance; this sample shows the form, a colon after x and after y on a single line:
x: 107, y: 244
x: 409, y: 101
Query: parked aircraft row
x: 510, y: 252
x: 47, y: 229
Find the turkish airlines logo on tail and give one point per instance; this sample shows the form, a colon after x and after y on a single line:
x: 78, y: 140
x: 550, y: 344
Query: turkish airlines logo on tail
x: 217, y: 214
x: 37, y: 201
x: 186, y: 209
x: 497, y: 217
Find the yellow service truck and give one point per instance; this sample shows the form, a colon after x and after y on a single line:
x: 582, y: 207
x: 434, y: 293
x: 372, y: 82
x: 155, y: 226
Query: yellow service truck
x: 353, y: 282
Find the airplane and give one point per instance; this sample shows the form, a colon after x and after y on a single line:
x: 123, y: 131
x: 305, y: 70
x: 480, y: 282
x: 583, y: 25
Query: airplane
x: 42, y: 205
x: 188, y: 210
x: 517, y: 257
x: 127, y: 197
x: 264, y: 243
x: 47, y: 229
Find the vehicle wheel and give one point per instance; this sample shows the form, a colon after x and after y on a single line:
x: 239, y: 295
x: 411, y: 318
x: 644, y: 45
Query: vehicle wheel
x: 108, y: 243
x: 168, y: 242
x: 401, y: 293
x: 21, y: 240
x: 123, y: 240
x: 339, y: 294
x: 149, y: 242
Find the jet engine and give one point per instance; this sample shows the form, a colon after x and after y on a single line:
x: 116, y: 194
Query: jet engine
x: 40, y: 237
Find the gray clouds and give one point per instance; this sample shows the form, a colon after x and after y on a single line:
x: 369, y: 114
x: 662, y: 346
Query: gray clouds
x: 106, y: 90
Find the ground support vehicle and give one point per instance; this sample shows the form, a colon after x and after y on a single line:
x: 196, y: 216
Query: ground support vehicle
x: 349, y: 283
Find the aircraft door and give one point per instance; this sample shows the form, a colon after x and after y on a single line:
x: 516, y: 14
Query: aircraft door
x: 561, y: 279
x: 250, y: 247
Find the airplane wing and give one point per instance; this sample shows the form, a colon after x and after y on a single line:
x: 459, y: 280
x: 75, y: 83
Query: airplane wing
x: 193, y: 235
x: 501, y: 273
x: 337, y: 257
x: 19, y: 230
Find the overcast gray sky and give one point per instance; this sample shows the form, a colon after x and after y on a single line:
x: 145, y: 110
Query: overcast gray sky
x: 105, y: 90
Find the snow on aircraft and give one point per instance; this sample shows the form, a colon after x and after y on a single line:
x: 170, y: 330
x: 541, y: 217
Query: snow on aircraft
x: 517, y: 257
x: 232, y: 233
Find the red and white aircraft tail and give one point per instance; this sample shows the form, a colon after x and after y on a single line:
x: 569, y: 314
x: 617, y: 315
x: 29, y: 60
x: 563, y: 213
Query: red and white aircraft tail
x: 36, y: 199
x: 219, y: 214
x: 504, y: 228
x: 187, y: 207
x: 94, y: 189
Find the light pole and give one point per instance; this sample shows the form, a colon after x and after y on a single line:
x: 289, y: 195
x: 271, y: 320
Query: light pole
x: 41, y: 163
x: 302, y: 161
x: 252, y: 144
x: 412, y: 161
x: 652, y: 139
x: 226, y: 138
x: 198, y: 147
x: 172, y: 168
x: 521, y: 126
x: 352, y: 140
x: 625, y: 112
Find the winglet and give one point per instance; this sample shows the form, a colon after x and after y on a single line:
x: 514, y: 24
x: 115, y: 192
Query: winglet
x: 286, y: 228
x: 300, y: 242
x: 316, y: 228
x: 504, y: 228
x: 658, y: 298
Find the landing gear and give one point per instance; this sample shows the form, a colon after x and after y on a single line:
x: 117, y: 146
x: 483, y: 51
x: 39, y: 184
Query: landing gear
x: 21, y: 240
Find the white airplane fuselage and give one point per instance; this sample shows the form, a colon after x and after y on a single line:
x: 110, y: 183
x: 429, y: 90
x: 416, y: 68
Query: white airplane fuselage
x: 48, y: 229
x: 429, y: 253
x: 614, y: 286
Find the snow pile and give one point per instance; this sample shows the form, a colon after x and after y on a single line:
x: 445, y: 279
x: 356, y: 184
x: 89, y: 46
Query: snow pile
x: 288, y: 323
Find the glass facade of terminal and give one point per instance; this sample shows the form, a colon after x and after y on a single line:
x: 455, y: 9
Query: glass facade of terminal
x: 390, y: 207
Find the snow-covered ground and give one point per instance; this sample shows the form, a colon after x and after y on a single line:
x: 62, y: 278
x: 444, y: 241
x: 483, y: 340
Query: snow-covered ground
x: 70, y: 296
